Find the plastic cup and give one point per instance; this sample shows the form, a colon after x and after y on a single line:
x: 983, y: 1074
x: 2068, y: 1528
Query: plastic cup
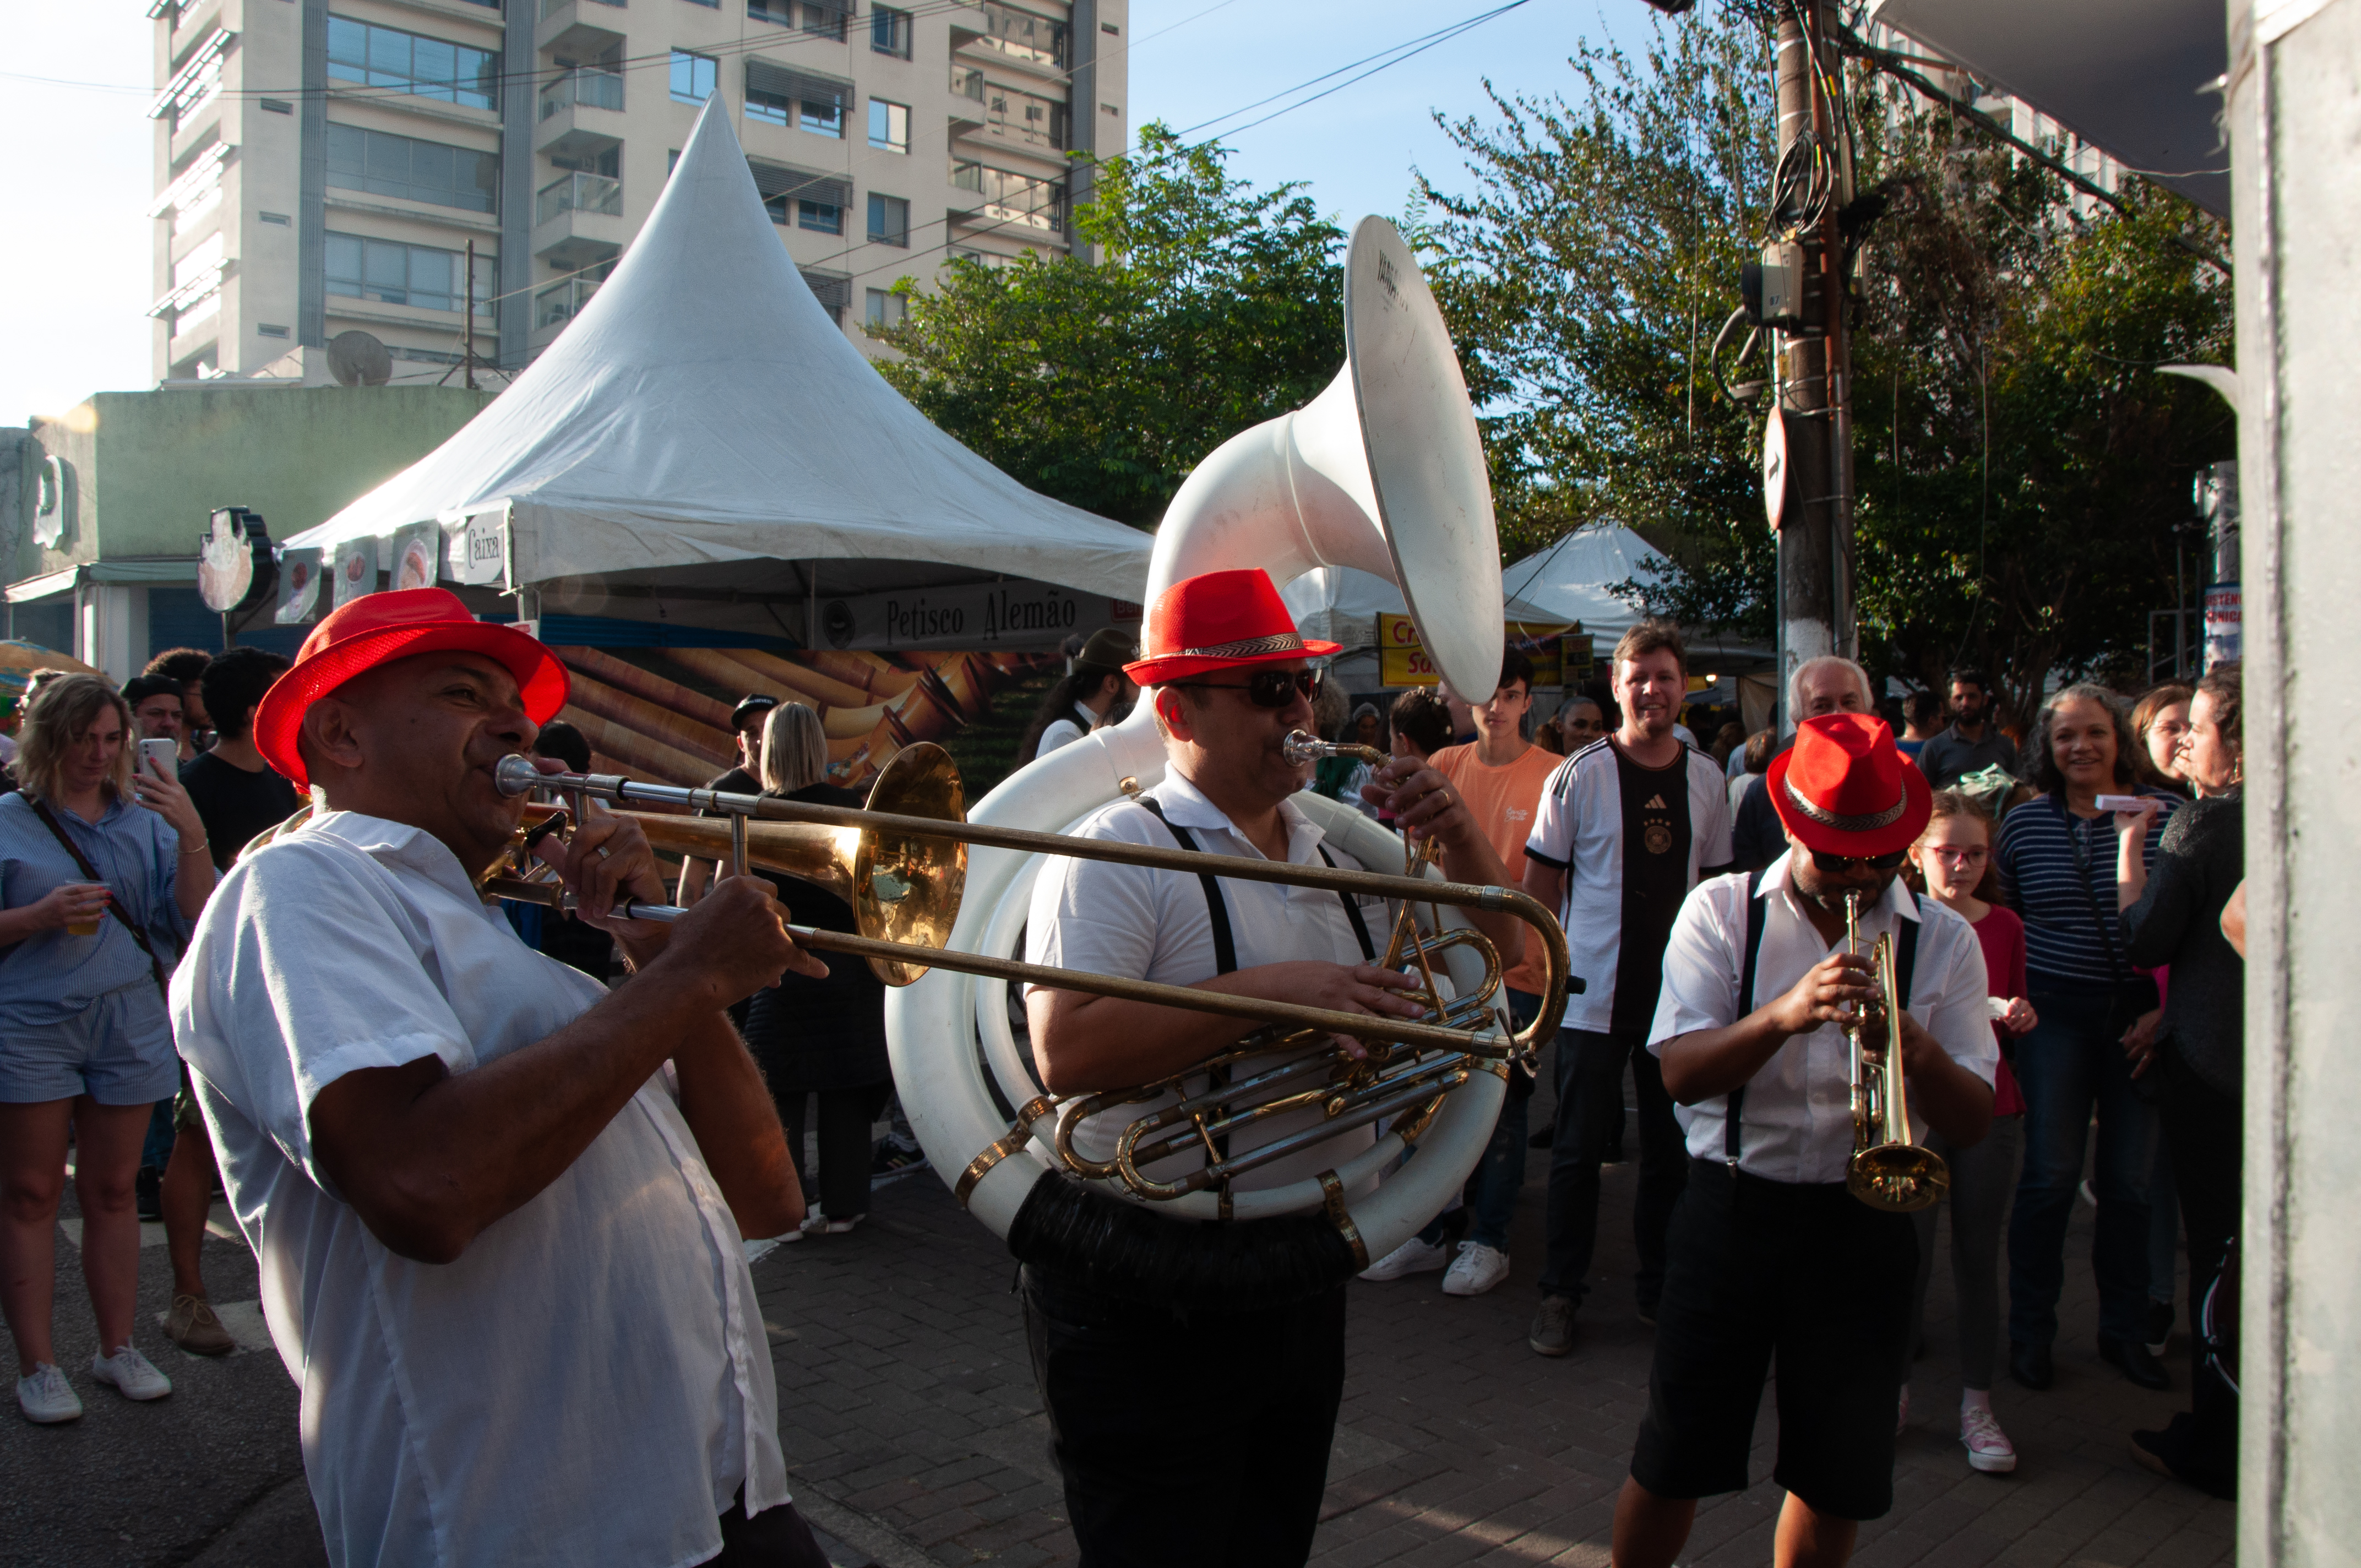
x: 85, y: 927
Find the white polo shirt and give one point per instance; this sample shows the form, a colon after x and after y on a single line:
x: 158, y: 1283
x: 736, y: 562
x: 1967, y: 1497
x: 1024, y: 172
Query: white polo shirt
x: 589, y: 1381
x: 1147, y: 923
x: 1578, y: 828
x: 1796, y: 1124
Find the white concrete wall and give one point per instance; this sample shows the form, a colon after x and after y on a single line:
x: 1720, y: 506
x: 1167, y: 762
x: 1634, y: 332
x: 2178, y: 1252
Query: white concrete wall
x: 2295, y: 118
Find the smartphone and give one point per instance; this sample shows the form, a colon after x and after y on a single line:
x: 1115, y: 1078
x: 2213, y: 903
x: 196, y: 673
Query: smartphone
x: 2104, y: 803
x: 162, y: 756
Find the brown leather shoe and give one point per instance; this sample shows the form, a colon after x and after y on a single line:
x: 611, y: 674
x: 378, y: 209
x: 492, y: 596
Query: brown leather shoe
x: 195, y: 1327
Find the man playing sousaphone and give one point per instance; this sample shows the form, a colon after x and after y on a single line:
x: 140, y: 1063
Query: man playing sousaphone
x: 1188, y: 1435
x: 498, y: 1209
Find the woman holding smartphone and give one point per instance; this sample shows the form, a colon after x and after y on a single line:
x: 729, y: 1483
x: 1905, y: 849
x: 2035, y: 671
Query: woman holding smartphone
x: 103, y: 869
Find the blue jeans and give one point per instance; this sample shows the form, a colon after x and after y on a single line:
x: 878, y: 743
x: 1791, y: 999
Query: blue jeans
x: 1499, y: 1176
x: 1589, y: 1106
x: 2068, y: 1067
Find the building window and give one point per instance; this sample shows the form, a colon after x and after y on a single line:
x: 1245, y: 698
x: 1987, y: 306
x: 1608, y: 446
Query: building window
x: 782, y: 12
x: 376, y: 56
x: 826, y: 17
x: 196, y: 284
x: 388, y: 164
x: 889, y: 31
x: 264, y: 329
x: 784, y: 96
x: 887, y: 310
x: 1021, y: 35
x: 889, y: 126
x: 967, y: 82
x: 1014, y: 199
x: 391, y: 273
x: 692, y: 76
x: 823, y: 114
x: 820, y: 217
x: 281, y: 219
x: 277, y: 106
x: 889, y: 220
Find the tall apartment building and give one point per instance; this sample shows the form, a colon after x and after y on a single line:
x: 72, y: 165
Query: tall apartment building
x: 328, y: 165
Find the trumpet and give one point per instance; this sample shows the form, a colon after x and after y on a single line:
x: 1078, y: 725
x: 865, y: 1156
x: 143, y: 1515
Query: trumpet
x: 1886, y: 1171
x: 900, y: 863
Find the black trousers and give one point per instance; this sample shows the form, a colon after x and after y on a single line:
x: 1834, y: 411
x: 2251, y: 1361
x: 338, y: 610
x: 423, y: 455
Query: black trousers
x: 1590, y: 1117
x: 2204, y: 1134
x: 1809, y: 1277
x: 775, y: 1538
x: 841, y: 1184
x: 1193, y: 1439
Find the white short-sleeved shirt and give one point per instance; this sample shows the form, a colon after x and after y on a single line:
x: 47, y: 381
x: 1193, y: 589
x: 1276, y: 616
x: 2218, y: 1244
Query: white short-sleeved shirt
x: 1796, y: 1123
x: 1145, y: 924
x: 589, y: 1381
x: 1578, y: 828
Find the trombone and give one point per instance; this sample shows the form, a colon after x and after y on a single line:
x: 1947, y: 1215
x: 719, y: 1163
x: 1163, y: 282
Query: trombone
x: 1886, y: 1171
x: 900, y: 863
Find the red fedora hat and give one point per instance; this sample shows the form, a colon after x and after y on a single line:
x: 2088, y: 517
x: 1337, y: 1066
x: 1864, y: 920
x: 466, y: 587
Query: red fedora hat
x: 1219, y: 621
x: 1842, y: 788
x: 377, y: 628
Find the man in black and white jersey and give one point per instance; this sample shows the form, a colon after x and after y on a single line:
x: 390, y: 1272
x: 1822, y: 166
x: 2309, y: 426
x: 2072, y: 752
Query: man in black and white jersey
x: 1628, y: 824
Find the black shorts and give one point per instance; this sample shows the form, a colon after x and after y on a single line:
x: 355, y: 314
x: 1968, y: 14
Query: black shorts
x: 1812, y: 1276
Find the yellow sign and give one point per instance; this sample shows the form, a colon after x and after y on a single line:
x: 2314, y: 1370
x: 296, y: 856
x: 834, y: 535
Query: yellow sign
x: 1403, y: 661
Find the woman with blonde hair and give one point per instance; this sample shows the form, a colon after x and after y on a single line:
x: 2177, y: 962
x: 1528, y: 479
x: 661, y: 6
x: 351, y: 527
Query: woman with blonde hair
x: 823, y: 1038
x: 1952, y: 862
x: 102, y: 872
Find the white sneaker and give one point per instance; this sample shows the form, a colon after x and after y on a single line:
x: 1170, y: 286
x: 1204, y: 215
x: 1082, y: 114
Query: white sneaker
x: 46, y: 1397
x: 1413, y: 1257
x: 1987, y: 1447
x: 132, y: 1373
x: 1475, y: 1270
x: 819, y: 1225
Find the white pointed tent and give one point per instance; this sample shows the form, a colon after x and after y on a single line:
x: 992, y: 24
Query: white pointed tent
x: 1573, y: 579
x: 1341, y: 604
x: 703, y: 445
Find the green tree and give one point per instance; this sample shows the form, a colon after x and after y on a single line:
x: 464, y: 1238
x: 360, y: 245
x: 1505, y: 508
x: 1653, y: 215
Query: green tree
x: 1217, y: 306
x: 2019, y: 462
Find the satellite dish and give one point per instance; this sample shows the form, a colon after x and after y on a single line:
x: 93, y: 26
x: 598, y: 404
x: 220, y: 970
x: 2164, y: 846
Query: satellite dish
x: 234, y: 567
x: 358, y: 360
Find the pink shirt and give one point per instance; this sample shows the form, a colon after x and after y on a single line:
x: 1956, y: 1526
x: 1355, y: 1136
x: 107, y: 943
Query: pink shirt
x: 2003, y: 937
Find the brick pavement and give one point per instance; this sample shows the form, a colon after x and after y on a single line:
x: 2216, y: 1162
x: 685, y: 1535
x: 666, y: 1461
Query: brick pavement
x: 906, y: 1402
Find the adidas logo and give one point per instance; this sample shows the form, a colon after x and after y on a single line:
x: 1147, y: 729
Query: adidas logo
x: 1655, y: 803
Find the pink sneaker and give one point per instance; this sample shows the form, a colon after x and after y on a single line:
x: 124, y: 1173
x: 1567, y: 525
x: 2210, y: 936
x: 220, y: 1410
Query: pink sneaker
x: 1987, y: 1447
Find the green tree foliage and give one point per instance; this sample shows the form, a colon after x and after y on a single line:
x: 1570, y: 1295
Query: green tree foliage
x: 1217, y: 306
x: 2019, y: 462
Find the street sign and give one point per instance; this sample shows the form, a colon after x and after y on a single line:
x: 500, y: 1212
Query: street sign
x: 1556, y: 654
x: 1774, y: 468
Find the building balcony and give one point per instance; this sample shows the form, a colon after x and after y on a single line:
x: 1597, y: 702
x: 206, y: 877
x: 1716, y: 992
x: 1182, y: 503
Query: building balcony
x: 578, y: 220
x: 580, y: 118
x: 561, y: 303
x: 578, y: 29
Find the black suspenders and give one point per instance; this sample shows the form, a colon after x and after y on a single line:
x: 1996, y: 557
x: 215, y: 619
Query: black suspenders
x: 1906, y: 959
x: 1217, y: 909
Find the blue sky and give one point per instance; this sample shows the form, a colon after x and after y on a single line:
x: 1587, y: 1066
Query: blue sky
x: 76, y: 272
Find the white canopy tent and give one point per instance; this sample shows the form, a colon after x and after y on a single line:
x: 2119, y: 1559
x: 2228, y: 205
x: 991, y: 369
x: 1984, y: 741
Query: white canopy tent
x: 1573, y: 578
x: 1343, y: 603
x: 703, y: 445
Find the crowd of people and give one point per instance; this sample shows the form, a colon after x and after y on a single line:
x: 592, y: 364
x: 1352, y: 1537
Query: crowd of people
x: 457, y: 1120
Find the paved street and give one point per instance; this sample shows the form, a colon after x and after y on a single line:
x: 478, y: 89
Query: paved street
x: 914, y: 1436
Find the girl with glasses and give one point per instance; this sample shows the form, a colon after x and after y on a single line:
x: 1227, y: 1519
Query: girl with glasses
x: 1952, y: 862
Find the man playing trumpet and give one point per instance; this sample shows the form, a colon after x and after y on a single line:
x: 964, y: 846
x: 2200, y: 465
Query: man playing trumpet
x: 1189, y: 1436
x: 1770, y: 1255
x: 497, y: 1209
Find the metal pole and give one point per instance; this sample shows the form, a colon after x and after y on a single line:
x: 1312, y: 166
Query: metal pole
x: 467, y: 313
x: 1815, y: 601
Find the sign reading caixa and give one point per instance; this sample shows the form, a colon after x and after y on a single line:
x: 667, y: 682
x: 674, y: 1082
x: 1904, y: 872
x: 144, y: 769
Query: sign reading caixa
x: 970, y: 615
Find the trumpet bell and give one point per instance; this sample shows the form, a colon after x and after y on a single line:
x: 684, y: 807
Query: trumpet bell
x: 902, y: 888
x: 1898, y: 1178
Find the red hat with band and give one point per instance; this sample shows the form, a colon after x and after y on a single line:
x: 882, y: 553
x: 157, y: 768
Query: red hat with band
x: 1843, y: 789
x: 1221, y: 620
x: 377, y: 628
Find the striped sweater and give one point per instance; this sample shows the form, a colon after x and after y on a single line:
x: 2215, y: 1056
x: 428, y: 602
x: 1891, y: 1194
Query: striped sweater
x: 2059, y: 873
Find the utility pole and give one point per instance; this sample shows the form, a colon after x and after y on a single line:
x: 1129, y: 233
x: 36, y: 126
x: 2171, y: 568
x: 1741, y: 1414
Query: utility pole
x: 467, y: 311
x: 1814, y: 359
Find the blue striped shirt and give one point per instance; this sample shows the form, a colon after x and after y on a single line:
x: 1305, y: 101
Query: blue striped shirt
x: 2060, y: 873
x: 52, y: 976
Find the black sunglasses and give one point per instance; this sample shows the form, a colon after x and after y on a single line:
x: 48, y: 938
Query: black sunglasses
x: 1267, y: 688
x: 1838, y: 864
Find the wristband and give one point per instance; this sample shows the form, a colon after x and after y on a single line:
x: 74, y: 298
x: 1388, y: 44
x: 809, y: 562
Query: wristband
x: 205, y: 849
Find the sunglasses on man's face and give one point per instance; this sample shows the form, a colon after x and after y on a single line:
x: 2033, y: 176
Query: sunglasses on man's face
x: 1837, y: 865
x: 1267, y: 688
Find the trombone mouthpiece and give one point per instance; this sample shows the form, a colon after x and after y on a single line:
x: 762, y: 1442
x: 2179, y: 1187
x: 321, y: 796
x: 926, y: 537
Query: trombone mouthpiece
x: 515, y: 775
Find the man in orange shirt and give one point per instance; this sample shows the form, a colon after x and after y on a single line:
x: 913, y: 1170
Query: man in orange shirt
x: 1500, y: 775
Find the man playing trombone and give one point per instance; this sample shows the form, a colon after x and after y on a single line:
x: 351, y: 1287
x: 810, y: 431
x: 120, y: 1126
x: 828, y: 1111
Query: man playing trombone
x: 497, y: 1209
x: 1188, y: 1436
x: 1770, y: 1254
